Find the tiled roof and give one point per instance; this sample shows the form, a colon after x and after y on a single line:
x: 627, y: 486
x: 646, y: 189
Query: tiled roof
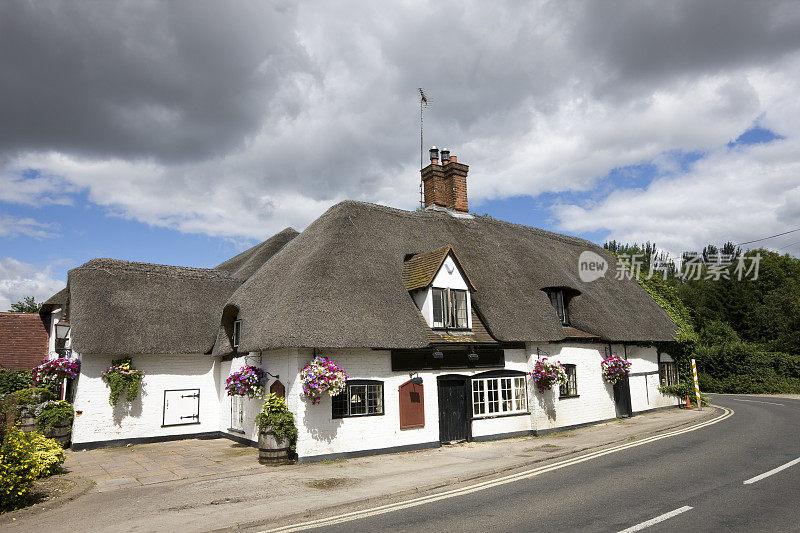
x: 419, y: 270
x: 477, y: 335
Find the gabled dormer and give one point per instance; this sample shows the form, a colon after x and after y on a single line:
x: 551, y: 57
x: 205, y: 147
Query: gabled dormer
x: 441, y: 289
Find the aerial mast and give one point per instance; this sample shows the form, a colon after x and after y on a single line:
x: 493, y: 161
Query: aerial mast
x: 423, y: 103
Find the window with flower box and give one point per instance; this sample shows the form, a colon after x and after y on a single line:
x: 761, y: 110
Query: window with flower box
x: 360, y: 397
x: 499, y: 396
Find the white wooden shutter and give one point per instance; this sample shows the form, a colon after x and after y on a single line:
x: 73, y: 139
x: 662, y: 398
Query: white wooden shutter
x: 181, y: 407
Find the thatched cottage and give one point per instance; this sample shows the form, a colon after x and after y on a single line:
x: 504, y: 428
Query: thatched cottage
x: 437, y: 316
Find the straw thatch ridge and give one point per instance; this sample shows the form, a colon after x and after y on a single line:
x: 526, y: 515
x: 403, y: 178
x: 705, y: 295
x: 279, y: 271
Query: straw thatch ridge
x: 121, y: 307
x: 246, y: 263
x: 340, y: 283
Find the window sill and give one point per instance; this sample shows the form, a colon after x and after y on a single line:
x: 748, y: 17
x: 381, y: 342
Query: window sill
x: 337, y: 417
x: 501, y: 415
x: 568, y: 396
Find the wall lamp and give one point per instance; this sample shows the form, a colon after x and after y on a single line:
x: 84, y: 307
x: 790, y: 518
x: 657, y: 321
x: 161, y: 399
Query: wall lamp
x: 62, y: 329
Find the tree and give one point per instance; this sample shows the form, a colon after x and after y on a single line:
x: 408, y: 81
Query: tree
x: 26, y: 305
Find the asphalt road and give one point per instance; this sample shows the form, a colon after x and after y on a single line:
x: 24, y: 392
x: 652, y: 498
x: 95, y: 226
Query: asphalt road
x: 698, y: 475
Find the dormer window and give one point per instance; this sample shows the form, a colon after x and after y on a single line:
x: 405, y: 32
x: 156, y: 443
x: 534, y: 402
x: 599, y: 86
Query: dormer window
x: 450, y: 308
x: 237, y: 333
x: 559, y: 304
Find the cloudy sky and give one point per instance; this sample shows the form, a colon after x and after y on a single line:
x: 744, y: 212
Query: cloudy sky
x: 182, y: 132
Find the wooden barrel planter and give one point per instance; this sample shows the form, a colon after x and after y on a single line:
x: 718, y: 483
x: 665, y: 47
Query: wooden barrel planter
x: 27, y: 422
x: 60, y: 432
x: 272, y: 450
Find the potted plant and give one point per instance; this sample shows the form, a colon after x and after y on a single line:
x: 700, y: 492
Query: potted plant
x: 247, y: 381
x: 320, y: 376
x: 547, y: 374
x: 615, y: 369
x: 54, y: 420
x: 277, y: 432
x: 122, y: 377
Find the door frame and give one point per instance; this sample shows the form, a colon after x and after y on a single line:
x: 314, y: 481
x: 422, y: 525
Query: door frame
x: 467, y: 402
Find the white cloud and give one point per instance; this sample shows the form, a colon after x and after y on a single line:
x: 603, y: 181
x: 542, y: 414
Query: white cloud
x: 18, y: 280
x: 240, y: 133
x: 11, y: 226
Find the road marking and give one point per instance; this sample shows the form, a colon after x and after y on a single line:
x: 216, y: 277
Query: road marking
x: 773, y: 471
x: 525, y: 474
x: 656, y: 520
x: 754, y: 401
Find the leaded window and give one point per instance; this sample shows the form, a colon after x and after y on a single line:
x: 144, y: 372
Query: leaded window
x: 667, y: 373
x: 570, y: 388
x: 360, y: 398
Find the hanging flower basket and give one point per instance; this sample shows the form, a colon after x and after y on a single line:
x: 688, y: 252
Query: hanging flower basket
x: 55, y: 370
x: 547, y: 374
x: 320, y: 376
x: 615, y: 369
x: 247, y: 381
x: 122, y: 377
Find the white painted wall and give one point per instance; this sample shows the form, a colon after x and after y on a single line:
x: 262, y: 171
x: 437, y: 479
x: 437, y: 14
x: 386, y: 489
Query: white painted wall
x: 644, y: 389
x: 98, y: 421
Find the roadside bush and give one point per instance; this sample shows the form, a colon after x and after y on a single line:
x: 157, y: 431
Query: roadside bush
x: 18, y: 469
x: 275, y: 415
x: 744, y: 368
x: 51, y: 413
x: 14, y: 380
x: 48, y: 454
x: 683, y: 389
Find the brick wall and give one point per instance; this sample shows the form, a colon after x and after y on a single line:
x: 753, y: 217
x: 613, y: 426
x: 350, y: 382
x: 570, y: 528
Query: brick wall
x: 23, y: 340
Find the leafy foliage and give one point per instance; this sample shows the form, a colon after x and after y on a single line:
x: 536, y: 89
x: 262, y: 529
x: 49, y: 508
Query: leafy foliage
x: 34, y: 395
x: 48, y: 455
x: 14, y: 380
x: 122, y: 377
x: 275, y: 415
x: 26, y: 305
x: 18, y: 469
x: 53, y: 413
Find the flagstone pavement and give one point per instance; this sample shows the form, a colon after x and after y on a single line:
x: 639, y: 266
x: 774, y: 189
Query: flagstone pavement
x: 145, y: 464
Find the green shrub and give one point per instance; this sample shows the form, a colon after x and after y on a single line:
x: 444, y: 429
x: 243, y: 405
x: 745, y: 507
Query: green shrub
x: 52, y: 413
x: 18, y: 468
x: 745, y: 368
x: 47, y: 453
x: 34, y: 396
x: 14, y: 380
x: 275, y: 415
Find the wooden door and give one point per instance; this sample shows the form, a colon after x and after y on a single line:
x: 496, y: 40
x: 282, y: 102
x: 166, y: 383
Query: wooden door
x: 453, y: 419
x: 622, y: 398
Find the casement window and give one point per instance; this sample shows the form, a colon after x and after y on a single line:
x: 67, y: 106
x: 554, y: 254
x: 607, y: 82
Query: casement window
x: 237, y: 413
x: 559, y: 304
x: 360, y: 397
x: 237, y: 333
x: 499, y: 396
x: 450, y: 308
x: 668, y: 374
x: 570, y: 388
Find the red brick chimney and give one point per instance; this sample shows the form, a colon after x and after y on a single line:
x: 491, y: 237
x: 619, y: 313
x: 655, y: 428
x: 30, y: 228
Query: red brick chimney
x: 445, y: 185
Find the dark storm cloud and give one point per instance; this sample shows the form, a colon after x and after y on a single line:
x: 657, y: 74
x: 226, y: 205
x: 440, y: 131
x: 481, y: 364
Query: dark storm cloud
x: 171, y: 80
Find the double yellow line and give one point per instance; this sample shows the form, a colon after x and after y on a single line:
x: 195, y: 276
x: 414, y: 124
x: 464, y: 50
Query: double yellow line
x: 525, y: 474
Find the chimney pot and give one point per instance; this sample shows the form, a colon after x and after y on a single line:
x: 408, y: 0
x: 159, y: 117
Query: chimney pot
x: 453, y: 159
x: 445, y: 156
x: 434, y: 155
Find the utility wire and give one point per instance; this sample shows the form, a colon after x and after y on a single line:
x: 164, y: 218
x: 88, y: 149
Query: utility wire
x: 770, y: 237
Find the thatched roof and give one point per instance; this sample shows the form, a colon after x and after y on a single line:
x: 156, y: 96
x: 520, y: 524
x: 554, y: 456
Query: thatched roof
x: 246, y: 263
x: 58, y: 300
x: 340, y: 283
x: 121, y: 307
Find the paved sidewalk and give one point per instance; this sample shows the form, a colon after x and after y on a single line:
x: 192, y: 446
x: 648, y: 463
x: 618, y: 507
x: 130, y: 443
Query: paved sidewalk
x: 237, y: 499
x: 145, y: 464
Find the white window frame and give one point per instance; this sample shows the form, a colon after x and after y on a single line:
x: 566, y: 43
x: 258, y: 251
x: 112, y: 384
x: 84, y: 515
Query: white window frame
x: 499, y: 396
x: 237, y: 333
x: 449, y: 311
